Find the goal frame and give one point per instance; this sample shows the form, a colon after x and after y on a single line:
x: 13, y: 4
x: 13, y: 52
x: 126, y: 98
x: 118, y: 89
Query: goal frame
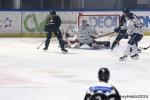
x: 101, y: 28
x: 98, y: 14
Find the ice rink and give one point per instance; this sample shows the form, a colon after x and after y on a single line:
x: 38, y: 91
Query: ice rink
x: 27, y: 73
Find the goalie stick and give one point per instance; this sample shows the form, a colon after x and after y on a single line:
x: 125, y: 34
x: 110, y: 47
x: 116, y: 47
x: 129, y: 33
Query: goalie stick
x: 145, y: 48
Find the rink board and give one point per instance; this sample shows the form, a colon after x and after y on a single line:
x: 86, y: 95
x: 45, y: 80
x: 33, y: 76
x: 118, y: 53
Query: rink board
x: 23, y: 22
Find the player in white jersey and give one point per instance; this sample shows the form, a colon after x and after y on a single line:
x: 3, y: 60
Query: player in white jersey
x: 86, y: 32
x: 135, y: 31
x: 82, y: 35
x: 102, y: 90
x: 127, y: 15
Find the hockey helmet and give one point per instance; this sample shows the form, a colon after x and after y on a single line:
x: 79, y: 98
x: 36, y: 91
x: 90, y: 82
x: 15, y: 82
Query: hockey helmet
x: 53, y: 12
x: 103, y: 74
x: 126, y: 10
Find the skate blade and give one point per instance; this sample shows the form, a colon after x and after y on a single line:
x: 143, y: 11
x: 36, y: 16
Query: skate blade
x: 64, y: 52
x: 122, y: 59
x: 136, y: 58
x: 44, y: 50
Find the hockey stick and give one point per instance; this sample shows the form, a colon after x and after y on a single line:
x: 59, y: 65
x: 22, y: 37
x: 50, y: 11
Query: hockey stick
x: 145, y: 48
x: 110, y: 36
x: 102, y: 35
x: 40, y: 45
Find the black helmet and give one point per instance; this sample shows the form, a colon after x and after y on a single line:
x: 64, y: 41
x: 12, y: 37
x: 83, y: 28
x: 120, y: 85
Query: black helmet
x: 53, y: 12
x: 126, y: 10
x: 104, y: 74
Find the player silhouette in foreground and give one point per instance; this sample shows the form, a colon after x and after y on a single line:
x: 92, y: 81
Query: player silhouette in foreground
x: 52, y: 26
x: 102, y: 90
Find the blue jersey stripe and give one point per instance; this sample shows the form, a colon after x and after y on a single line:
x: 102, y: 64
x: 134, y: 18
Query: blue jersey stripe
x: 101, y: 88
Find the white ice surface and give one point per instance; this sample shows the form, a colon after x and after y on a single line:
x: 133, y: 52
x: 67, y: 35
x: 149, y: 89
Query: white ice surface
x: 27, y: 73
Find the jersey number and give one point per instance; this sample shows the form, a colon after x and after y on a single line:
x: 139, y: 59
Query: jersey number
x: 102, y: 96
x: 99, y: 96
x: 137, y: 25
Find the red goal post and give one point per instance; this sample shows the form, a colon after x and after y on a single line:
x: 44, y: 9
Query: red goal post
x: 103, y: 23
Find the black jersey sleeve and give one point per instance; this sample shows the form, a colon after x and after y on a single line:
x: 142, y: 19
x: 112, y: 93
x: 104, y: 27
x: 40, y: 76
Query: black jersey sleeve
x: 87, y: 96
x: 117, y: 95
x: 57, y: 21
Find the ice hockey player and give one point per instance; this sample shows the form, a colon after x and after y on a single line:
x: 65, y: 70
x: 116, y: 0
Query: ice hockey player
x: 102, y: 90
x: 52, y: 26
x: 86, y: 32
x: 135, y: 31
x: 127, y: 14
x: 82, y: 35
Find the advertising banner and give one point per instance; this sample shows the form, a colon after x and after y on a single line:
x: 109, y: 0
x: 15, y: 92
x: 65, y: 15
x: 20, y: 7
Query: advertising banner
x: 10, y: 22
x: 34, y: 21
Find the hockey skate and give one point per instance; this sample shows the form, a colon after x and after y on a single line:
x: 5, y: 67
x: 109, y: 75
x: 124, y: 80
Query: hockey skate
x: 64, y: 51
x: 44, y: 49
x: 123, y: 58
x: 135, y: 56
x: 139, y: 51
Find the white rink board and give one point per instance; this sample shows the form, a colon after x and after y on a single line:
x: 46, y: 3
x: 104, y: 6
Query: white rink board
x: 10, y: 22
x: 32, y: 21
x: 69, y: 20
x: 143, y: 15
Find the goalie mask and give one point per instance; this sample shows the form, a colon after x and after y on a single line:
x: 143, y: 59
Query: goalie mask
x: 84, y: 23
x: 104, y: 74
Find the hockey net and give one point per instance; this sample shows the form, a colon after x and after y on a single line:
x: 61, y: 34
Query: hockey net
x: 99, y: 25
x: 102, y: 23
